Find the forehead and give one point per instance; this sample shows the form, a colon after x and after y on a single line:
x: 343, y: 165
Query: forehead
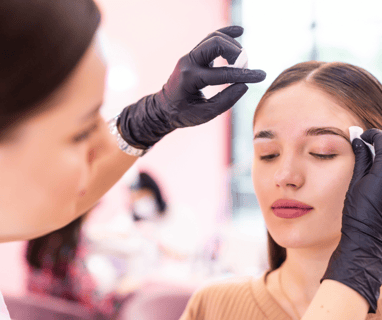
x: 302, y: 105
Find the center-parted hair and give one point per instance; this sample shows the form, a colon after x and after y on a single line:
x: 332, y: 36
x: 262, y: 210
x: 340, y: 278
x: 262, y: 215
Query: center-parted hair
x: 350, y: 86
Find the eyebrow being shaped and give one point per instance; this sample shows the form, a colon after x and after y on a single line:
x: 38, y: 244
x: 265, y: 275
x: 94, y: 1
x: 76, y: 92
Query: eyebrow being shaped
x: 313, y: 131
x: 91, y: 113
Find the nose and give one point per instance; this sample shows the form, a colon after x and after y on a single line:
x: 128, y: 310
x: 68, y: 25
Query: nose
x: 101, y: 144
x: 289, y: 173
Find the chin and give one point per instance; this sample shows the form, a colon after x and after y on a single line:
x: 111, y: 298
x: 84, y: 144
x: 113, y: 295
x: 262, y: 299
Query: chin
x: 291, y: 243
x: 288, y: 237
x: 294, y: 239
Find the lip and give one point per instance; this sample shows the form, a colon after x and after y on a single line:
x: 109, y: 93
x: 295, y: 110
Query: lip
x: 289, y: 209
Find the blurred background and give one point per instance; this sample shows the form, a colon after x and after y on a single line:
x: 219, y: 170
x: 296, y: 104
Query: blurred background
x: 213, y: 227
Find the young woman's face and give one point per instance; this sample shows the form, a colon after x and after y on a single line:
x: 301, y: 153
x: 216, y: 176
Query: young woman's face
x: 296, y: 171
x: 44, y: 170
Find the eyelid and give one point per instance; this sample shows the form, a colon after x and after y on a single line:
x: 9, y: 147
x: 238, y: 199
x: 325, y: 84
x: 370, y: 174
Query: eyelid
x: 317, y: 155
x: 85, y: 134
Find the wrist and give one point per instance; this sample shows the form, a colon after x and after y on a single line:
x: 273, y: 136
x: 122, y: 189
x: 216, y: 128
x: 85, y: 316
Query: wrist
x: 116, y: 129
x: 347, y: 265
x: 144, y: 123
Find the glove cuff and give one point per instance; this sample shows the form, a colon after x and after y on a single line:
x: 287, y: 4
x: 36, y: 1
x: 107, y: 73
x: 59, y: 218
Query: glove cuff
x: 356, y: 264
x: 363, y: 284
x: 142, y: 123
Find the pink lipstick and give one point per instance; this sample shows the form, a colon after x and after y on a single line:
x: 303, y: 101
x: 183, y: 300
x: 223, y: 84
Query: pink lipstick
x: 289, y: 209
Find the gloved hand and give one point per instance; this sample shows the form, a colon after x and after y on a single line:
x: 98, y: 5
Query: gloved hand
x: 357, y: 261
x: 180, y: 103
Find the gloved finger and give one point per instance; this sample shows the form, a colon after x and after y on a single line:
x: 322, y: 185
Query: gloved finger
x: 225, y: 99
x: 363, y: 161
x: 232, y: 31
x: 222, y: 35
x: 213, y: 48
x: 215, y: 76
x: 374, y: 136
x: 227, y: 33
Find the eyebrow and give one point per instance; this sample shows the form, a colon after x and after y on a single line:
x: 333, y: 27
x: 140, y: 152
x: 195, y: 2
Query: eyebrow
x: 92, y: 113
x: 313, y: 131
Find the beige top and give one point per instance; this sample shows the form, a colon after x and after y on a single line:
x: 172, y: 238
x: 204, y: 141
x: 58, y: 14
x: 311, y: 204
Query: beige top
x: 244, y: 298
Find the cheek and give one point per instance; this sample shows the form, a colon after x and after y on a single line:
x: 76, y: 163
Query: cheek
x: 60, y: 180
x: 63, y: 176
x: 332, y: 186
x: 40, y: 192
x: 262, y: 179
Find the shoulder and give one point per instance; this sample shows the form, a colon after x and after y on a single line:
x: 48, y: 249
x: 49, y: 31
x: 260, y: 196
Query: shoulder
x: 228, y: 287
x: 219, y: 298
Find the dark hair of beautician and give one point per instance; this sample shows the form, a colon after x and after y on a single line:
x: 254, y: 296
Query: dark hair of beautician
x: 51, y: 76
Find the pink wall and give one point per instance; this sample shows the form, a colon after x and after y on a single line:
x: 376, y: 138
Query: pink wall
x: 190, y: 163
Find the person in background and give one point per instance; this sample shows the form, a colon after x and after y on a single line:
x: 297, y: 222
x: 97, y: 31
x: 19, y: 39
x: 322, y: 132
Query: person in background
x: 146, y: 200
x: 57, y: 265
x: 171, y: 226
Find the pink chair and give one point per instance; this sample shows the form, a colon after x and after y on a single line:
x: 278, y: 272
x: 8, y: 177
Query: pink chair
x: 156, y: 304
x: 36, y: 307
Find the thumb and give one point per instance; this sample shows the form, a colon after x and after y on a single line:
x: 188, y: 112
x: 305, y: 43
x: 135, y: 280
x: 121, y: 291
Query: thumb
x: 224, y: 100
x: 363, y: 160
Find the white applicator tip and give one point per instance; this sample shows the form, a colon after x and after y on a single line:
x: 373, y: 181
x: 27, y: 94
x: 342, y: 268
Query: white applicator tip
x: 241, y: 61
x: 355, y: 132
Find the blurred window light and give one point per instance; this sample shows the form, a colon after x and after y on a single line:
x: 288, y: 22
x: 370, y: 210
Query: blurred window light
x: 279, y: 34
x: 121, y: 78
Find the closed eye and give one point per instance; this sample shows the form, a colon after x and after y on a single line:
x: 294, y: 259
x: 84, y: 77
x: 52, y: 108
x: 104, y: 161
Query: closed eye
x: 317, y: 155
x: 83, y: 136
x: 324, y: 156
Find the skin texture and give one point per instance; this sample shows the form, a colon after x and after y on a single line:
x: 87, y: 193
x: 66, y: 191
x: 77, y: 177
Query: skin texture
x: 296, y: 174
x: 43, y: 168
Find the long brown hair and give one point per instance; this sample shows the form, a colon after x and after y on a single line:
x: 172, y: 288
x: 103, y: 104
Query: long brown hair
x: 41, y: 43
x: 351, y: 87
x: 56, y: 250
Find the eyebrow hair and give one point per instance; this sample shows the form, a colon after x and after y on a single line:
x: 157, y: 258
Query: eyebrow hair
x: 313, y: 131
x: 91, y: 113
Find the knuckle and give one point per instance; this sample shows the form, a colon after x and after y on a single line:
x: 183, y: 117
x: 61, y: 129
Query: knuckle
x: 186, y: 73
x: 213, y: 34
x: 216, y: 41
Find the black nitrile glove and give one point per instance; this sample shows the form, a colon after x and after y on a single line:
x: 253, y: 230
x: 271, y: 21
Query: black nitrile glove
x: 180, y: 103
x: 357, y: 261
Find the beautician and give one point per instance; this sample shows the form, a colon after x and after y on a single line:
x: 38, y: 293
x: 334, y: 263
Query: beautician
x: 57, y: 156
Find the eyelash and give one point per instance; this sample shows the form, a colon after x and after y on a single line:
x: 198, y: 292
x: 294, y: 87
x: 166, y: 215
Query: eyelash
x: 85, y: 134
x: 269, y: 158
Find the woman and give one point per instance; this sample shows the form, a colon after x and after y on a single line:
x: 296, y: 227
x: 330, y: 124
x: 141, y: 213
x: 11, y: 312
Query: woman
x: 292, y: 164
x: 56, y: 154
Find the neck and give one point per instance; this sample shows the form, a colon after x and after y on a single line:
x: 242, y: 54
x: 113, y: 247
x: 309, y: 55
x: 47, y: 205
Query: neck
x: 303, y: 270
